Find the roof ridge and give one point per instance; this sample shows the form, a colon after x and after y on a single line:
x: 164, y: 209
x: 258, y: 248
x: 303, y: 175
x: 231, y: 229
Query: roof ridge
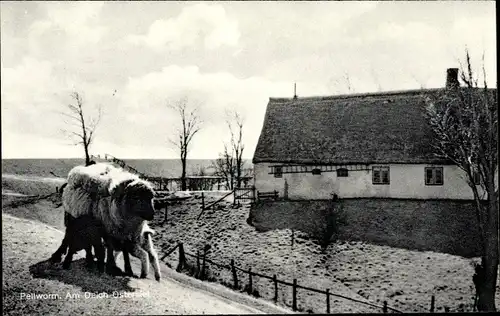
x: 356, y: 95
x: 364, y: 94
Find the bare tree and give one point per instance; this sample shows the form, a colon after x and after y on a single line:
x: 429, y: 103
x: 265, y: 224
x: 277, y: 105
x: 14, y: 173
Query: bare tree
x: 230, y: 163
x: 190, y: 125
x: 235, y: 124
x: 81, y: 127
x: 465, y: 125
x: 224, y: 167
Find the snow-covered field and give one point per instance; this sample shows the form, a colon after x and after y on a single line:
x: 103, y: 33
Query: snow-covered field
x: 29, y: 185
x: 26, y: 245
x: 32, y: 227
x: 404, y: 278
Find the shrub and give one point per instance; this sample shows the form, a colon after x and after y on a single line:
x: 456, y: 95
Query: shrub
x: 335, y: 219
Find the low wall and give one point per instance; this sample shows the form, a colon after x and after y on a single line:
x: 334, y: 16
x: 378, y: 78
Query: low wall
x: 446, y: 226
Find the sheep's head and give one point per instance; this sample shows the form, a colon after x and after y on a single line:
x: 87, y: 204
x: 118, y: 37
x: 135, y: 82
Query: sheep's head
x: 136, y: 198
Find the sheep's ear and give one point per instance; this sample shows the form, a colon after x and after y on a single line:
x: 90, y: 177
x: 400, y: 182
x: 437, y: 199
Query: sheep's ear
x: 120, y: 191
x: 140, y: 190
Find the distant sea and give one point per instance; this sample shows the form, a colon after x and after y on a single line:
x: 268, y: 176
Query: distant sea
x: 155, y: 167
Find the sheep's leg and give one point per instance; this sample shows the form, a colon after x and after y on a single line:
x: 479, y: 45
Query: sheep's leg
x: 100, y: 254
x: 89, y: 258
x: 56, y: 256
x: 140, y: 253
x: 153, y: 256
x: 111, y: 267
x: 126, y: 260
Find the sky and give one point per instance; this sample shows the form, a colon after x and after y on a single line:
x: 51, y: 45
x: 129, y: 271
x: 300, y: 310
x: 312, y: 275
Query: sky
x: 136, y: 59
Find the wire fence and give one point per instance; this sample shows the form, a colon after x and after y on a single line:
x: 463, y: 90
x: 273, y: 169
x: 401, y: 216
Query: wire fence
x: 202, y: 262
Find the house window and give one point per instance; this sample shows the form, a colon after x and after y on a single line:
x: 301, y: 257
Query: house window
x: 380, y: 175
x: 278, y: 172
x: 434, y: 176
x: 342, y: 172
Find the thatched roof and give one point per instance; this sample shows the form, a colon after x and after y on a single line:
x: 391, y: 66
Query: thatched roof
x: 364, y: 128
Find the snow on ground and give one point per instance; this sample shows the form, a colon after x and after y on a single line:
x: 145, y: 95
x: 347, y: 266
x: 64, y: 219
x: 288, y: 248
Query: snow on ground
x: 30, y: 185
x: 406, y: 279
x: 12, y: 193
x: 34, y: 178
x: 26, y: 245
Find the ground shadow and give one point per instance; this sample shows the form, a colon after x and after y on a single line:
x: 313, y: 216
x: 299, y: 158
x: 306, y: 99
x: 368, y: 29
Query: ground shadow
x: 89, y: 280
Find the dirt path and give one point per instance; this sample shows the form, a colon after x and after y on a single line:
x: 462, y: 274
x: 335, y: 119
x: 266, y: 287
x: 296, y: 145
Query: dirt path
x: 26, y: 245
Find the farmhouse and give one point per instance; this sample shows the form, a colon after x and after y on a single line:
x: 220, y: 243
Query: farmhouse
x: 356, y: 146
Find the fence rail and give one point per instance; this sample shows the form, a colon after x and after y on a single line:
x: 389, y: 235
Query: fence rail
x: 294, y: 284
x: 203, y: 207
x: 268, y: 195
x: 245, y: 194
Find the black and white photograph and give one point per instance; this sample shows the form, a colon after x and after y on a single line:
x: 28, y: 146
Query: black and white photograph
x: 249, y: 157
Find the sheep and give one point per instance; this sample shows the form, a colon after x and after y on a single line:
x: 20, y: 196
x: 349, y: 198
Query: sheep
x: 123, y: 203
x: 84, y: 232
x: 127, y: 247
x: 81, y: 233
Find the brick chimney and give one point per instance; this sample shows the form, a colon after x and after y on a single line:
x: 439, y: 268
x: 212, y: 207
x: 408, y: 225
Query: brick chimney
x: 452, y: 78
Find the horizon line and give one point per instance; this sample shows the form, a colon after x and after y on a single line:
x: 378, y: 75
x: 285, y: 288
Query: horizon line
x: 11, y: 158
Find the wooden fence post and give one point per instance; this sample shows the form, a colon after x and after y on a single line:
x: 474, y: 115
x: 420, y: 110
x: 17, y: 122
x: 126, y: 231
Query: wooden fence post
x: 166, y: 213
x: 432, y: 303
x: 203, y: 268
x: 202, y: 201
x: 328, y: 301
x: 182, y: 257
x: 474, y: 309
x: 250, y: 280
x: 385, y: 307
x: 294, y: 295
x: 275, y: 280
x: 235, y: 276
x: 197, y: 264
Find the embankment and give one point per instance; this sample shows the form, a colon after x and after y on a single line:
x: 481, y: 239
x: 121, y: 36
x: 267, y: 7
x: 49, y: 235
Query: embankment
x: 405, y: 278
x: 433, y: 225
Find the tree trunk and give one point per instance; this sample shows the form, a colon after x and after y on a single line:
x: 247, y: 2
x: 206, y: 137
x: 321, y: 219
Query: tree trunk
x: 183, y: 176
x: 487, y: 286
x: 87, y: 157
x: 238, y: 175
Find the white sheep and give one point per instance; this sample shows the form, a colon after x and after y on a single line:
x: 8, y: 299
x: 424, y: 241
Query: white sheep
x: 123, y: 203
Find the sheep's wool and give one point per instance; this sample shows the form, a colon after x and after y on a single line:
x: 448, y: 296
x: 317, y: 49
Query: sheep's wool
x: 87, y: 185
